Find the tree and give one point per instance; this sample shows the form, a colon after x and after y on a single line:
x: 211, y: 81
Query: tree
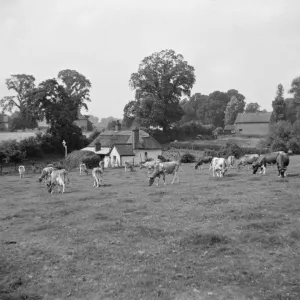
x: 129, y: 114
x: 231, y: 111
x: 22, y: 84
x: 112, y: 125
x: 295, y: 90
x: 162, y: 78
x: 278, y: 105
x: 252, y: 107
x: 77, y: 86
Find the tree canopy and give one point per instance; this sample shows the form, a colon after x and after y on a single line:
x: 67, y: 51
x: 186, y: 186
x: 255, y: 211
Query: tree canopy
x: 279, y: 106
x: 252, y: 107
x: 162, y: 78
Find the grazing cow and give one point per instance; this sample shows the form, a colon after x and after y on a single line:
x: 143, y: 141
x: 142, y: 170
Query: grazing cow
x: 219, y: 165
x: 203, y: 160
x: 230, y: 161
x: 83, y: 168
x: 128, y: 165
x: 21, y: 171
x: 161, y: 169
x: 45, y: 175
x: 247, y: 159
x: 263, y: 160
x: 59, y: 178
x: 282, y: 161
x: 98, y: 176
x: 149, y: 165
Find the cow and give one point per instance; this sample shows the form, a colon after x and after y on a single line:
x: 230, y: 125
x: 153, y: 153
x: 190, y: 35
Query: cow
x: 97, y: 174
x: 45, y: 174
x: 282, y: 161
x: 101, y: 164
x: 128, y: 165
x: 59, y: 178
x: 161, y: 169
x: 230, y: 161
x: 219, y: 165
x: 203, y: 160
x: 149, y: 165
x: 247, y: 159
x: 83, y: 168
x: 263, y: 160
x: 21, y: 171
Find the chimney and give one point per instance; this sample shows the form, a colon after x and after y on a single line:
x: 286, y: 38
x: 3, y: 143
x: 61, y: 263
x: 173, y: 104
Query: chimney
x: 97, y: 146
x: 118, y: 126
x: 135, y: 138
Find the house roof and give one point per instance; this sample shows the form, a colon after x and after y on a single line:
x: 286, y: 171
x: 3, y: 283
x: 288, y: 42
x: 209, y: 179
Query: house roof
x: 102, y: 151
x: 229, y: 127
x: 124, y: 149
x: 109, y: 138
x: 263, y: 117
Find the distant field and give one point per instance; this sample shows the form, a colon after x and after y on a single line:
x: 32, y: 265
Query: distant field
x: 236, y: 237
x: 21, y: 135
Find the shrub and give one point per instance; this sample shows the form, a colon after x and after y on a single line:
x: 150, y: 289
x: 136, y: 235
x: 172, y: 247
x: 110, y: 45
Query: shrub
x: 162, y: 158
x: 32, y: 147
x: 293, y: 145
x: 187, y: 158
x: 75, y: 158
x: 91, y: 161
x: 279, y: 145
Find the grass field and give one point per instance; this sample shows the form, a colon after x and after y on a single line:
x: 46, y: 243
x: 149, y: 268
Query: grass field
x: 236, y: 237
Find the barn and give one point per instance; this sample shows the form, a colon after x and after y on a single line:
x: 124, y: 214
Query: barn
x: 229, y: 129
x: 117, y: 146
x: 253, y: 124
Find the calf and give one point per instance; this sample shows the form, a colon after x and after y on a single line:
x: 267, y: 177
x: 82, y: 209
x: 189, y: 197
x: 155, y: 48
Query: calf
x: 282, y: 161
x: 83, y: 168
x: 59, y: 178
x: 45, y: 175
x: 203, y: 160
x: 21, y: 171
x: 230, y: 161
x: 128, y: 165
x: 161, y: 169
x: 97, y: 174
x: 219, y: 165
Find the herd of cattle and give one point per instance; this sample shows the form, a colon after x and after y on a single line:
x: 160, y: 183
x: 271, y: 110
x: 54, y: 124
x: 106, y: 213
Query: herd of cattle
x: 52, y: 176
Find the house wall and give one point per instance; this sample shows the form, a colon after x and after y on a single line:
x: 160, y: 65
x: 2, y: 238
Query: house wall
x: 150, y: 154
x: 252, y: 129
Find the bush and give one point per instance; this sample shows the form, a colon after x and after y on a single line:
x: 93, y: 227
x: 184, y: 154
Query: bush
x: 279, y: 145
x: 189, y: 145
x: 32, y: 147
x: 187, y: 158
x: 293, y: 145
x: 91, y: 161
x: 162, y: 158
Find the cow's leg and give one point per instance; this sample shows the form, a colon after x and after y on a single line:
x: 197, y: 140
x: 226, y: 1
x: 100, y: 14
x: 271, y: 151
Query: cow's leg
x: 264, y: 170
x: 94, y: 182
x: 158, y: 178
x: 213, y: 169
x: 164, y: 178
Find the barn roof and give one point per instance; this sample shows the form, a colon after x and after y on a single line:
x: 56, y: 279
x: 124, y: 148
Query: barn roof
x: 109, y: 138
x: 263, y: 117
x: 124, y: 149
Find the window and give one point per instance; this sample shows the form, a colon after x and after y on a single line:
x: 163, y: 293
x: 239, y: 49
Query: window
x: 240, y: 129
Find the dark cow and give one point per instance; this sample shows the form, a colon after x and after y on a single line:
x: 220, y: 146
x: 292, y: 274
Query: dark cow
x: 203, y: 160
x: 263, y: 160
x: 282, y: 161
x: 247, y: 159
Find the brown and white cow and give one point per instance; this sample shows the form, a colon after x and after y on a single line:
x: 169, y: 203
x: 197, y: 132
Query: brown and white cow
x: 219, y: 165
x: 162, y: 169
x: 263, y: 161
x: 97, y: 174
x: 149, y: 165
x: 247, y: 159
x: 45, y: 174
x: 83, y: 169
x: 128, y: 165
x: 58, y: 178
x: 21, y: 171
x: 230, y: 161
x: 282, y: 161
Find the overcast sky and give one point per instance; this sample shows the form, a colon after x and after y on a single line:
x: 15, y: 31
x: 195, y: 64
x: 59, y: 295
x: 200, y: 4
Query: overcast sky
x: 248, y: 45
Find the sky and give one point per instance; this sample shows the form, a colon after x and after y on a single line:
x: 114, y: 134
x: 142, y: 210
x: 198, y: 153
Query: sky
x: 247, y: 45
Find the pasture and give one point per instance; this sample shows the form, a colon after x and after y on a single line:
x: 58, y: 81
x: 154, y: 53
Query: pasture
x: 236, y: 237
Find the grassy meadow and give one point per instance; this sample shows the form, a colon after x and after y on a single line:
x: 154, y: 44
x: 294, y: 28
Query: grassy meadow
x: 236, y: 237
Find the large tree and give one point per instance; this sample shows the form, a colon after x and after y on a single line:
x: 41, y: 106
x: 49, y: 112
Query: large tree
x: 295, y: 90
x: 129, y: 114
x: 252, y: 107
x: 279, y: 106
x: 235, y: 105
x: 162, y: 78
x: 22, y: 85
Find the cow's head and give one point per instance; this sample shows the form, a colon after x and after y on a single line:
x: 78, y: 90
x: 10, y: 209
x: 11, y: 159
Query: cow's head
x: 49, y: 187
x: 196, y: 166
x: 151, y: 180
x: 40, y: 179
x: 153, y: 176
x: 281, y: 172
x: 255, y: 167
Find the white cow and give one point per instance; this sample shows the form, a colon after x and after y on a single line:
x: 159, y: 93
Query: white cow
x: 128, y: 165
x: 101, y: 164
x: 149, y: 165
x: 161, y: 169
x: 45, y: 175
x: 21, y: 171
x: 59, y: 178
x: 83, y: 168
x: 219, y: 165
x: 97, y: 174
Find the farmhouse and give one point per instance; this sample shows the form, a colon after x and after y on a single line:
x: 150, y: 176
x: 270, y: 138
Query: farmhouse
x: 117, y: 146
x: 253, y: 124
